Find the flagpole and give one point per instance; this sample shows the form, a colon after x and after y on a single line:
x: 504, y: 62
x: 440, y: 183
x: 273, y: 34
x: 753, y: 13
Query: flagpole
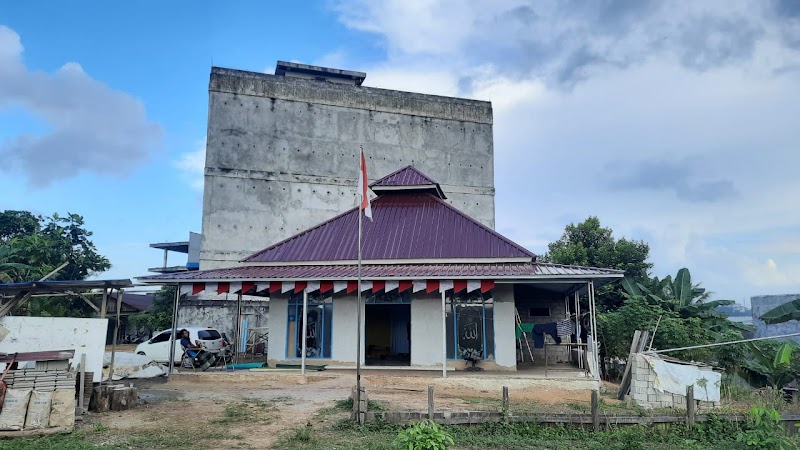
x: 359, y: 416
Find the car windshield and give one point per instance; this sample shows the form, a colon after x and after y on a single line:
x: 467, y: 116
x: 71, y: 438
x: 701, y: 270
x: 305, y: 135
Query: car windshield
x: 208, y: 335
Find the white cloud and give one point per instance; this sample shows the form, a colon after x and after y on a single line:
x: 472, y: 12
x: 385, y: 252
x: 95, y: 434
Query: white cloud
x: 673, y: 123
x: 93, y: 127
x: 192, y: 166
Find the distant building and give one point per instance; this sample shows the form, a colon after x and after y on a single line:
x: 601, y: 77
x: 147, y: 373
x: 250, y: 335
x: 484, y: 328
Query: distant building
x: 763, y: 303
x: 190, y: 248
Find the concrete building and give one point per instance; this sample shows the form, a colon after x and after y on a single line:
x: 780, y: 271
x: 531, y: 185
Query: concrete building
x: 191, y: 248
x: 282, y: 152
x: 438, y: 286
x: 763, y: 303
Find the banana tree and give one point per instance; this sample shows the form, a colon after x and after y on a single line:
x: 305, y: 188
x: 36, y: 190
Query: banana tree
x: 681, y: 296
x: 8, y: 268
x: 769, y: 366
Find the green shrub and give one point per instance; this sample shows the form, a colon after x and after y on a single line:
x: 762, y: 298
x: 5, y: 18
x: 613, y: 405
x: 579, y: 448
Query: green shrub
x: 764, y: 430
x: 423, y: 435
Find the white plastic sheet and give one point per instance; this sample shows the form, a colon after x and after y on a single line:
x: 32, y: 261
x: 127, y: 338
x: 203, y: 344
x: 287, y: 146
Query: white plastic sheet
x: 131, y: 365
x: 675, y: 378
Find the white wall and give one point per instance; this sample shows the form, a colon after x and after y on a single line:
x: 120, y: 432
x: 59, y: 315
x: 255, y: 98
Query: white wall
x: 39, y: 334
x: 343, y: 347
x: 504, y: 326
x: 426, y: 330
x: 278, y: 314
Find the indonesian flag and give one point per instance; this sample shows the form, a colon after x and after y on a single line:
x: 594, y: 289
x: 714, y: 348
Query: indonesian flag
x: 362, y: 187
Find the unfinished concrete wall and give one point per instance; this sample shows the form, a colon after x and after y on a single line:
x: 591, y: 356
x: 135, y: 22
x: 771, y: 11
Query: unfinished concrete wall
x: 554, y: 304
x: 221, y: 314
x: 763, y: 303
x: 281, y: 154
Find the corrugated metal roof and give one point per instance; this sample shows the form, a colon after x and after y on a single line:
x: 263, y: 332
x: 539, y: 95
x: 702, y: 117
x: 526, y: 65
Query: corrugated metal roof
x: 530, y: 270
x: 407, y: 176
x: 404, y: 226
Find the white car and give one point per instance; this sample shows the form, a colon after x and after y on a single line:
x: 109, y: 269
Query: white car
x: 158, y: 347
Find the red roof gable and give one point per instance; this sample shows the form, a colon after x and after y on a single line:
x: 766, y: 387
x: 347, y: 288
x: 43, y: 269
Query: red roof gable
x: 405, y: 226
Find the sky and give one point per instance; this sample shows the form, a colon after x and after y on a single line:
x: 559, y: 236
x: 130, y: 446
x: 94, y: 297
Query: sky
x: 677, y: 123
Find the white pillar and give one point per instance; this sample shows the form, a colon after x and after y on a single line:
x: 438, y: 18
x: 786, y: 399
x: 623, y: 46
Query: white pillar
x: 444, y: 336
x: 305, y: 333
x: 593, y: 318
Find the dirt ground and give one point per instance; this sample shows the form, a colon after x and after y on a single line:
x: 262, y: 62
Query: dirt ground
x: 254, y: 409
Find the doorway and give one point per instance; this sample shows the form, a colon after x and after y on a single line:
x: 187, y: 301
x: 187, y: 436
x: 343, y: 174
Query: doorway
x: 388, y: 334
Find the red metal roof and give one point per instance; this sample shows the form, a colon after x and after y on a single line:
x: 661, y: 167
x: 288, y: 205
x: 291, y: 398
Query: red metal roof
x: 405, y: 226
x: 407, y: 176
x: 531, y: 270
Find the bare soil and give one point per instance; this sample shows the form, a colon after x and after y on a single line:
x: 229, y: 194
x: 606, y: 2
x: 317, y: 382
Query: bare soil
x: 254, y: 409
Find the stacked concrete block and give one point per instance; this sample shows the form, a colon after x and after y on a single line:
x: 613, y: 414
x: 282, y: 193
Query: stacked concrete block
x: 644, y: 393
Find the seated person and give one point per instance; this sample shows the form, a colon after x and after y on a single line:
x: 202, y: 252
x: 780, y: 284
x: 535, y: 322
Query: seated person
x: 187, y: 345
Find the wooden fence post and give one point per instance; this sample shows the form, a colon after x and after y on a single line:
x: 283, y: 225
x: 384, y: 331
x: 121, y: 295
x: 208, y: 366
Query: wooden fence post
x: 595, y: 410
x: 505, y: 402
x: 430, y: 401
x: 690, y: 406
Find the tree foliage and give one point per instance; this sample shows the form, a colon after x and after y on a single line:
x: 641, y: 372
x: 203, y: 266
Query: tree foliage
x: 590, y: 244
x: 159, y: 316
x: 37, y: 245
x: 783, y: 313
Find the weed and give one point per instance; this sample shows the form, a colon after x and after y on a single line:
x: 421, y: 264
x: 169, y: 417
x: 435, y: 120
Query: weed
x: 764, y: 430
x: 424, y: 435
x: 99, y: 427
x: 372, y: 405
x: 247, y: 411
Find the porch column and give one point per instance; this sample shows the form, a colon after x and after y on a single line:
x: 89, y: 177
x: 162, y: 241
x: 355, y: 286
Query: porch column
x: 593, y: 323
x: 578, y: 338
x: 305, y: 331
x: 174, y: 327
x: 444, y: 337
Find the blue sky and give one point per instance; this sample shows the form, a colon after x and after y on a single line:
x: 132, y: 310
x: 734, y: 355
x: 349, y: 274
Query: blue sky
x: 675, y: 124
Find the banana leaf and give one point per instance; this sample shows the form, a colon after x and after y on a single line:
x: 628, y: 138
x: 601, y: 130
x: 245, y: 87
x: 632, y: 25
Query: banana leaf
x: 682, y: 287
x: 783, y: 313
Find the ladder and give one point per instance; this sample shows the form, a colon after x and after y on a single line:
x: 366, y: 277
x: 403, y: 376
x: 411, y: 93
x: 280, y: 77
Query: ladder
x: 524, y: 335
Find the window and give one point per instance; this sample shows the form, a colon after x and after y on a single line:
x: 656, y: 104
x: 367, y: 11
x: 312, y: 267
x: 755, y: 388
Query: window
x: 318, y: 332
x: 469, y: 323
x: 539, y: 312
x: 208, y: 335
x: 163, y: 337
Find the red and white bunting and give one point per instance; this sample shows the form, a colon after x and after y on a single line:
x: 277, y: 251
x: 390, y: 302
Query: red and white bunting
x: 339, y: 286
x: 391, y: 285
x: 271, y: 287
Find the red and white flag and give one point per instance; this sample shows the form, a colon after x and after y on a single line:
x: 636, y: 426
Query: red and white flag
x: 362, y: 188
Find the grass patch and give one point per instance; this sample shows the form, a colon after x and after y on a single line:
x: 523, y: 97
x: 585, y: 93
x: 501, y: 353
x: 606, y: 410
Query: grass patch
x: 249, y: 410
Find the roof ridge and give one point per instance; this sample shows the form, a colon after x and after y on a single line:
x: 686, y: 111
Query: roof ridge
x: 575, y: 265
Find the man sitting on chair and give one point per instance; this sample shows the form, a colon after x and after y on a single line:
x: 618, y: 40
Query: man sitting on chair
x: 186, y: 343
